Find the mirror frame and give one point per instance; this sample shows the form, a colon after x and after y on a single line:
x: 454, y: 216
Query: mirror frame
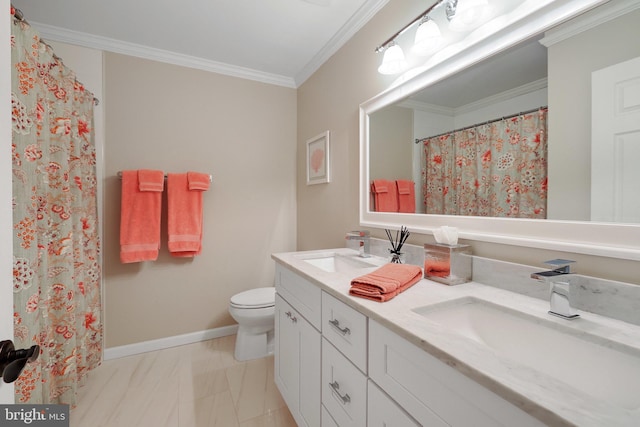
x: 592, y: 238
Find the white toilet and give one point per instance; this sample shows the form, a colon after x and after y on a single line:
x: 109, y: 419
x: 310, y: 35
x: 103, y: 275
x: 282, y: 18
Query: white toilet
x: 254, y: 310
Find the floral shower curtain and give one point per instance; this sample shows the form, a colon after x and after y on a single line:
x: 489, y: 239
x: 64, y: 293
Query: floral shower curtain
x: 498, y: 169
x: 56, y: 266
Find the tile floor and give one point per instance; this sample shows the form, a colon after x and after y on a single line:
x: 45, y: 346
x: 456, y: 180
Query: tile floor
x: 195, y: 385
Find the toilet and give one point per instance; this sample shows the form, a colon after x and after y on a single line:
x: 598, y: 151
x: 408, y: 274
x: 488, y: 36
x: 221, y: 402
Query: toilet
x: 254, y: 310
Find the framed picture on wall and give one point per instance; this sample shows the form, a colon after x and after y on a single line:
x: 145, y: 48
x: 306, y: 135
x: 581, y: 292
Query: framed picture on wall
x: 318, y: 159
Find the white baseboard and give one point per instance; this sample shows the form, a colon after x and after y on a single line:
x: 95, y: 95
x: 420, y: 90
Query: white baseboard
x: 162, y: 343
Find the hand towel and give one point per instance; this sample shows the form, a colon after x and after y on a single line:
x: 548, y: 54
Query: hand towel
x: 198, y: 181
x: 386, y: 282
x: 385, y: 195
x: 140, y: 216
x: 435, y: 267
x: 150, y: 180
x: 406, y: 196
x: 184, y: 216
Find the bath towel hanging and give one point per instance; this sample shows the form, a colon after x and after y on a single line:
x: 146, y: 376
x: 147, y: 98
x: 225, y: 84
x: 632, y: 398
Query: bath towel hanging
x: 185, y: 212
x: 140, y: 215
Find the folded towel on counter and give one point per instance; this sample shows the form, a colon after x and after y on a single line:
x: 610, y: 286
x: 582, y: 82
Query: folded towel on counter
x: 140, y: 214
x: 184, y: 216
x: 198, y: 181
x: 436, y: 267
x: 406, y: 196
x: 385, y: 195
x: 386, y: 282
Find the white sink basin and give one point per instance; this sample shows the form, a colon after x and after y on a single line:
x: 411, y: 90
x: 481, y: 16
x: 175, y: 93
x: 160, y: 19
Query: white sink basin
x: 333, y: 262
x: 600, y: 368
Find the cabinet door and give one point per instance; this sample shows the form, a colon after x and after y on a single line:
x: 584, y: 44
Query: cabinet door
x: 297, y: 364
x: 310, y: 365
x: 287, y: 356
x: 384, y: 412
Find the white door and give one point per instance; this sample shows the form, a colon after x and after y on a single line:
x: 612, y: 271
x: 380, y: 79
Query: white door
x: 615, y: 143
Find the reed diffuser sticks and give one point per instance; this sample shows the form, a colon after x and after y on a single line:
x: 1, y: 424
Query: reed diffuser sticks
x: 396, y: 245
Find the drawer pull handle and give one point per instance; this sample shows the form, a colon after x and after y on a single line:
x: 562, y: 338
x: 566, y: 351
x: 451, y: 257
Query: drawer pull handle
x: 293, y: 318
x: 336, y: 387
x: 336, y: 324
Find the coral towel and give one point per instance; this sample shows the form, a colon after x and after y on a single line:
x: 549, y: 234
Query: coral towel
x: 406, y: 196
x: 386, y: 282
x: 140, y: 215
x: 385, y: 195
x: 185, y: 212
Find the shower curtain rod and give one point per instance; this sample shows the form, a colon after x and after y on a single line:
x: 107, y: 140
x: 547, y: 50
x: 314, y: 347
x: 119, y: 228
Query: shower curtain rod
x: 419, y: 140
x: 17, y: 13
x: 165, y: 176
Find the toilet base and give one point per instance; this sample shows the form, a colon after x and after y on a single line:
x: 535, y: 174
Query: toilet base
x: 250, y: 345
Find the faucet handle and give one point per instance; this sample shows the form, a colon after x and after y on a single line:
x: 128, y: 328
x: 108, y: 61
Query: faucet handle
x: 560, y: 264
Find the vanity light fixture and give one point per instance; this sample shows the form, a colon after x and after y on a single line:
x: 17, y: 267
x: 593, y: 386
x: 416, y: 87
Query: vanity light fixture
x: 465, y: 15
x: 393, y: 61
x: 428, y: 37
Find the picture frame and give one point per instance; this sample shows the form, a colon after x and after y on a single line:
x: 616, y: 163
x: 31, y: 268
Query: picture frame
x: 318, y: 170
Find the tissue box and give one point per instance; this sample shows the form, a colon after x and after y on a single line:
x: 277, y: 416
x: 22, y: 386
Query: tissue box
x: 448, y: 264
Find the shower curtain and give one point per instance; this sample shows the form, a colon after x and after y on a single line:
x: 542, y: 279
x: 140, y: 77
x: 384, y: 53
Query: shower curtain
x: 497, y: 169
x: 56, y: 265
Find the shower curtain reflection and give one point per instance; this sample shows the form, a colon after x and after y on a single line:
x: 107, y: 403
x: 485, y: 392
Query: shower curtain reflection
x: 56, y: 268
x: 497, y: 169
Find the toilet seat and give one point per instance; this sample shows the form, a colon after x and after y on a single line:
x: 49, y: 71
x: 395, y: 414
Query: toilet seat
x: 255, y: 298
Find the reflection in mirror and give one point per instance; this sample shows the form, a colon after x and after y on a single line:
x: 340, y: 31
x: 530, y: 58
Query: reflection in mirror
x: 562, y: 167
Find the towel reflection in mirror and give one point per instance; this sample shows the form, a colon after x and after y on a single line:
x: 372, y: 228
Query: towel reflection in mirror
x: 496, y: 169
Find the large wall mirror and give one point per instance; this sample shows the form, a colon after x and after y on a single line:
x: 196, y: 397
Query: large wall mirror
x: 577, y: 69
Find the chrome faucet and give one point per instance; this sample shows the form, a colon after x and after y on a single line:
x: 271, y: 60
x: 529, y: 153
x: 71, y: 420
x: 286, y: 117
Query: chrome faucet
x: 363, y: 237
x: 559, y: 287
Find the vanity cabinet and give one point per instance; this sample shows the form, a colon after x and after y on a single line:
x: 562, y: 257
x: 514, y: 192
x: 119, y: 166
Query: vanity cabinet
x: 334, y: 366
x: 298, y: 347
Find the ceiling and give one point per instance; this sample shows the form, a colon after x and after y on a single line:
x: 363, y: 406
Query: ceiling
x: 277, y: 41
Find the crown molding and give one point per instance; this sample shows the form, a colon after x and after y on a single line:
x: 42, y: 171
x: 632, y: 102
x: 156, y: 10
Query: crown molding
x: 428, y: 108
x: 348, y: 30
x: 588, y: 20
x: 111, y: 45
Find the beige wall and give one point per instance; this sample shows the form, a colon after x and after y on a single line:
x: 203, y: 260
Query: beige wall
x: 571, y: 63
x: 330, y: 100
x: 162, y: 116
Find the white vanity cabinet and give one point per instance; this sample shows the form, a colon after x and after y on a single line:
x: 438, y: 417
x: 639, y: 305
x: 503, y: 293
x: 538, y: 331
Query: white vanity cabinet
x: 334, y: 366
x: 297, y: 346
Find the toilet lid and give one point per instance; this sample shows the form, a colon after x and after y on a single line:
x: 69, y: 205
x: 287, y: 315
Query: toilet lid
x: 255, y: 298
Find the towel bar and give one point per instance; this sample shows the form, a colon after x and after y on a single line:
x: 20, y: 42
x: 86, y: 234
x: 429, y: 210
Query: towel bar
x: 165, y: 176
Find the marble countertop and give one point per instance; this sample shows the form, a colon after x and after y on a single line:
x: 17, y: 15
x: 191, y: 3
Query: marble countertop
x: 551, y: 401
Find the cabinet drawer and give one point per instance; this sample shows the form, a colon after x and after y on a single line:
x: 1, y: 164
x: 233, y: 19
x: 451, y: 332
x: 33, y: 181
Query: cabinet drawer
x: 303, y: 295
x: 344, y: 388
x: 424, y: 386
x: 385, y: 412
x: 346, y: 329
